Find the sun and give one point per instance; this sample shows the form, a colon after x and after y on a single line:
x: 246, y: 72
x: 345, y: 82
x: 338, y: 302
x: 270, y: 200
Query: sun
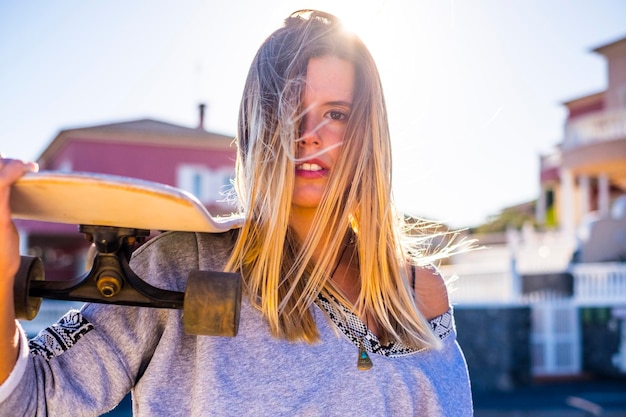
x: 357, y: 16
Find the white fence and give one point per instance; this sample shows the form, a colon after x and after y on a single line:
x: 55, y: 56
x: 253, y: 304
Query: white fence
x: 555, y: 337
x: 599, y: 283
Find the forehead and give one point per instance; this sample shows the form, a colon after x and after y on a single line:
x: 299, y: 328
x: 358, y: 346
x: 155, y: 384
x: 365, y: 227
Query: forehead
x: 329, y: 78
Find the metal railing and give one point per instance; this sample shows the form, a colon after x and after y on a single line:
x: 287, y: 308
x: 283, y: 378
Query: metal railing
x: 599, y: 283
x: 596, y: 127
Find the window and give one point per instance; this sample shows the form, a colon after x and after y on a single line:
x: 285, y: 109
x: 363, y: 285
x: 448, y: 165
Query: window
x: 208, y: 185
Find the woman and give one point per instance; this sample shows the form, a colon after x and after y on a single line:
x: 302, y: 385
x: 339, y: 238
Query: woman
x: 341, y: 317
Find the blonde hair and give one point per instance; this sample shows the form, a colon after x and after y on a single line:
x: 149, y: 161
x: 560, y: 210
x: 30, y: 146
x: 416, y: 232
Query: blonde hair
x: 279, y: 274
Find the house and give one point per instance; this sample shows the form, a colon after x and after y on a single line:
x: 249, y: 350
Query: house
x: 564, y: 282
x: 192, y: 159
x: 586, y: 175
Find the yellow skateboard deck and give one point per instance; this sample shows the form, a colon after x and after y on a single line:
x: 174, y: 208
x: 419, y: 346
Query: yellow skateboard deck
x: 113, y: 210
x: 108, y: 200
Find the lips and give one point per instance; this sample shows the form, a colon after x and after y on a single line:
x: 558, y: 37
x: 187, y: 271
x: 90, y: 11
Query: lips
x: 311, y: 169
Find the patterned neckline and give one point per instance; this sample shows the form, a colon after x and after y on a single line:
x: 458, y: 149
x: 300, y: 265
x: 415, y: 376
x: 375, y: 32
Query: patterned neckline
x: 356, y: 331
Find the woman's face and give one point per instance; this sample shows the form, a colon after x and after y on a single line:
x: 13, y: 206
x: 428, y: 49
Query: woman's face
x: 327, y: 103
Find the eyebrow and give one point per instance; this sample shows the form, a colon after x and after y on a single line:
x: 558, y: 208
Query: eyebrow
x: 339, y: 103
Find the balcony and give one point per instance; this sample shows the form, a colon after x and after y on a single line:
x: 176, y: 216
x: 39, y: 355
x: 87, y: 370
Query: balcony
x: 595, y: 128
x: 596, y: 145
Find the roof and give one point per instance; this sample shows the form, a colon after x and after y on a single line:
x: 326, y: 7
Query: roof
x: 585, y: 100
x: 144, y: 126
x: 604, y: 49
x: 140, y: 131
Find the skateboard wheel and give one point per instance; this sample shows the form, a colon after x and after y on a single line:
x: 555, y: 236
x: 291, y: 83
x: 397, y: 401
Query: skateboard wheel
x: 31, y: 269
x: 212, y: 303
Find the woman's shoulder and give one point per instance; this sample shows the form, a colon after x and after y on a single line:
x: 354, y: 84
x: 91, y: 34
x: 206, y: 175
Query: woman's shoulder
x: 431, y: 291
x: 170, y: 256
x: 188, y: 242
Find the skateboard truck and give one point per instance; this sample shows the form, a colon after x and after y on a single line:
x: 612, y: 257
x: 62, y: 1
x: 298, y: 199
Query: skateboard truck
x: 211, y: 302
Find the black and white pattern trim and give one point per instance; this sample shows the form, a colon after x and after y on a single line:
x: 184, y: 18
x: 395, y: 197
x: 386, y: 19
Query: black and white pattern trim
x: 61, y: 336
x: 442, y: 325
x: 355, y: 330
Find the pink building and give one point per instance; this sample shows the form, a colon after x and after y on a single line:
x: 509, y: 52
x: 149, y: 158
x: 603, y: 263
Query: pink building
x: 586, y: 177
x: 193, y: 159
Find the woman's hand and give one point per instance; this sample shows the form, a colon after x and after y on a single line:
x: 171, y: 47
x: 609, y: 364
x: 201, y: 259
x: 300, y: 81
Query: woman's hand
x: 10, y: 171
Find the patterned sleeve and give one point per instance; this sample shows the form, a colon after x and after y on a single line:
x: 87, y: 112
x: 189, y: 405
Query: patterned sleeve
x: 90, y: 359
x: 443, y: 325
x: 61, y: 336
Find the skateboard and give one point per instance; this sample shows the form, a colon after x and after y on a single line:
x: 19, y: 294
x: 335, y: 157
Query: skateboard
x: 116, y: 214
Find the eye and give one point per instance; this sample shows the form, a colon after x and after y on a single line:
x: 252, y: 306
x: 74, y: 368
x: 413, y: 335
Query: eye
x: 336, y: 115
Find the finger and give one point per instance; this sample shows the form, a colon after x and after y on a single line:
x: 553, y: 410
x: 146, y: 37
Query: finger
x: 12, y: 169
x: 4, y: 160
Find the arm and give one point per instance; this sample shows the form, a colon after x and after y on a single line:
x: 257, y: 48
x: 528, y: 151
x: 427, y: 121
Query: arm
x: 10, y: 171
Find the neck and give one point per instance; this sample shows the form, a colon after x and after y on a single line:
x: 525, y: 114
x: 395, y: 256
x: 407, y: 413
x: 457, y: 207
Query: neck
x: 345, y: 276
x: 301, y: 221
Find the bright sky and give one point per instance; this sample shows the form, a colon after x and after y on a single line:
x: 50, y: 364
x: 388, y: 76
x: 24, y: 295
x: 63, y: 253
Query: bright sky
x: 474, y: 87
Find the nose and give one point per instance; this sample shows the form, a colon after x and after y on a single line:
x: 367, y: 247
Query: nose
x: 310, y: 134
x: 309, y: 140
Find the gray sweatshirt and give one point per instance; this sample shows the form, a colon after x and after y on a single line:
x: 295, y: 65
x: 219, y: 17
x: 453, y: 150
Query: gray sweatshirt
x: 88, y: 361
